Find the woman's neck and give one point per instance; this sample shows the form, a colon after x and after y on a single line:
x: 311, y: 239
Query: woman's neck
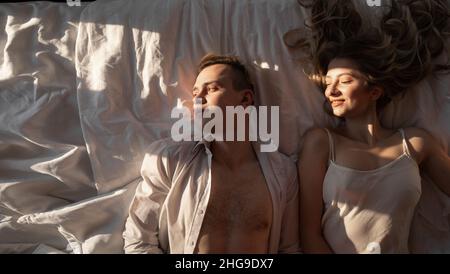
x: 365, y: 128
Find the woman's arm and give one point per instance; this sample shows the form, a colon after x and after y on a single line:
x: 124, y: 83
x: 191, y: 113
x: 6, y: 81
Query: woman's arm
x: 312, y: 166
x: 432, y: 158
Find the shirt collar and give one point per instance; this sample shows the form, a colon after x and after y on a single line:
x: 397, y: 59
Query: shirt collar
x: 207, y: 145
x: 202, y: 143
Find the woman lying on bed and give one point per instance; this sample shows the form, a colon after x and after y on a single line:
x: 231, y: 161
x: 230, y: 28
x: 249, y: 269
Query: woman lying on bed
x: 360, y: 182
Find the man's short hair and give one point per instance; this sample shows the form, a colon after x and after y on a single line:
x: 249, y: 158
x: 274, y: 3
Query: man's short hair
x: 241, y: 78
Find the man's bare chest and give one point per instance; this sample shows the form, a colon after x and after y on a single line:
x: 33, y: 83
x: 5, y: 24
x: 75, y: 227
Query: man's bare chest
x: 239, y: 200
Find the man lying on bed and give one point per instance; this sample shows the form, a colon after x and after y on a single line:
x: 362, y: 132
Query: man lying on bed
x: 217, y: 196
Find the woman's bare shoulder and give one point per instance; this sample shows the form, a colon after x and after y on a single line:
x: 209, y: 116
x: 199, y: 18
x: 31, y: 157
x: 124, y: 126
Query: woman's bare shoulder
x: 421, y: 142
x: 315, y: 143
x: 316, y: 136
x: 418, y: 134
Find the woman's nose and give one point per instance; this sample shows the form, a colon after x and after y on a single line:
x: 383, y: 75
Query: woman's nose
x: 332, y: 90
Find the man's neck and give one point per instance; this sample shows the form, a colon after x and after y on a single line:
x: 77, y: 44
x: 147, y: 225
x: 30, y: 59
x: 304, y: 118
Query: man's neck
x: 232, y: 154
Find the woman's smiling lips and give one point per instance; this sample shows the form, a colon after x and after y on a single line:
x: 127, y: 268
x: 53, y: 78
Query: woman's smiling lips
x: 336, y: 103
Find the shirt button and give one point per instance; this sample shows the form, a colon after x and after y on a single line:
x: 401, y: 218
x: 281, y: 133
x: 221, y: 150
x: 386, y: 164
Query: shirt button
x: 192, y: 243
x: 201, y: 211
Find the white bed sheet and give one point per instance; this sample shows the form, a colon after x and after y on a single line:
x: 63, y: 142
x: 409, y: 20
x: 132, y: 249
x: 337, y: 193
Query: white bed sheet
x: 84, y: 90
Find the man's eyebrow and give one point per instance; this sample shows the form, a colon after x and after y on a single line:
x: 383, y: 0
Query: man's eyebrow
x: 212, y: 82
x: 208, y: 83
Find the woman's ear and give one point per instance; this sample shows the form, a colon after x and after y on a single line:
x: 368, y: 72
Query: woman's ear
x: 247, y: 98
x: 376, y: 92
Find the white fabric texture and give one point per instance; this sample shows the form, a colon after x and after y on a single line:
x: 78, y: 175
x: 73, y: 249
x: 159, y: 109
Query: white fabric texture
x: 84, y: 90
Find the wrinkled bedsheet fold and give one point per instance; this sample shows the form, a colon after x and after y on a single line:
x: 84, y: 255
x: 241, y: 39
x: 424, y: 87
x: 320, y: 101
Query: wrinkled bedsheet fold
x: 84, y: 90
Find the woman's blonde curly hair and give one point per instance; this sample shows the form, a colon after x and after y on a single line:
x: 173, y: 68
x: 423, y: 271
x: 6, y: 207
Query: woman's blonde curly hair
x: 395, y: 55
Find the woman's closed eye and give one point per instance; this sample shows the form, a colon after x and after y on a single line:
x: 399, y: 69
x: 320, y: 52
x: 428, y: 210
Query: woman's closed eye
x: 346, y: 82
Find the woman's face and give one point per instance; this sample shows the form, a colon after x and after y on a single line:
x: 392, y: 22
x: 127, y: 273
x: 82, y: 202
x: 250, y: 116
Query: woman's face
x: 347, y: 90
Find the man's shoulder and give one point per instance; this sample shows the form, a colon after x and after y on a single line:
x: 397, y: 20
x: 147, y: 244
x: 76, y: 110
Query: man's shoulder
x: 169, y: 147
x: 166, y: 154
x: 284, y: 165
x: 280, y: 158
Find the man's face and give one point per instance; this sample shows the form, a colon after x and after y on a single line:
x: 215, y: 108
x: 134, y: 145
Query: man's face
x: 214, y: 86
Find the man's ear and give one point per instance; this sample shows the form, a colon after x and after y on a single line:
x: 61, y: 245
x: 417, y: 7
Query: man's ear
x: 247, y: 98
x: 376, y: 92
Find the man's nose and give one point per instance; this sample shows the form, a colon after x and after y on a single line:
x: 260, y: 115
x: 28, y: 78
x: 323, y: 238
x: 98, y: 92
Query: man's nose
x: 200, y: 96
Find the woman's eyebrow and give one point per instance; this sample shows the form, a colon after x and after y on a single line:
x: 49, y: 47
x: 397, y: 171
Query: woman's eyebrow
x: 341, y: 74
